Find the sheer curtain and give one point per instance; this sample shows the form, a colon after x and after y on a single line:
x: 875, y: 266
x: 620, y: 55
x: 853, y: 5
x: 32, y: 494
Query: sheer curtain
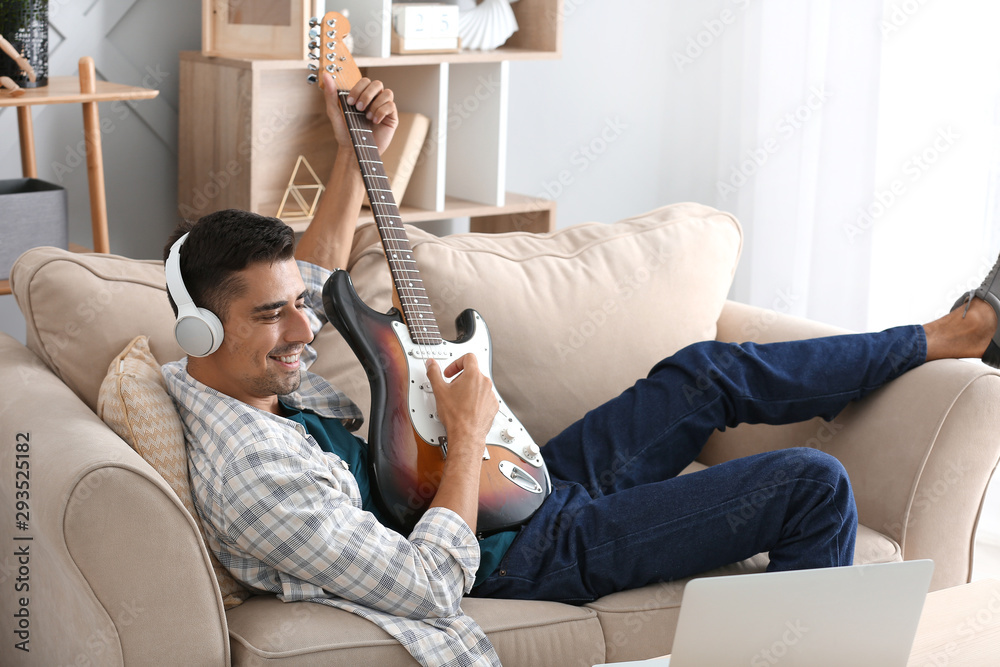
x: 803, y: 94
x: 860, y: 148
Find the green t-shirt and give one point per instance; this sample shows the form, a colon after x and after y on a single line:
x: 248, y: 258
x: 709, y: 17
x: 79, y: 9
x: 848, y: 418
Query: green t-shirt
x: 332, y: 437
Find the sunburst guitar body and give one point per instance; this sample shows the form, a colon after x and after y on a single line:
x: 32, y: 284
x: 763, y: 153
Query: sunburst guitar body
x: 408, y: 443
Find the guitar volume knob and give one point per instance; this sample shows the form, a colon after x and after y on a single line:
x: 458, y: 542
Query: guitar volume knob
x: 531, y: 451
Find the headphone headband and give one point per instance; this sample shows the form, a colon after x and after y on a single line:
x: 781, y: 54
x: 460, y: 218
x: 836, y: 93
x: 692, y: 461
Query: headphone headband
x: 175, y: 282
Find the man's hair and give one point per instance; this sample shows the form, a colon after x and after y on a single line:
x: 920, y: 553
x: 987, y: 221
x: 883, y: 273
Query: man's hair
x: 221, y: 244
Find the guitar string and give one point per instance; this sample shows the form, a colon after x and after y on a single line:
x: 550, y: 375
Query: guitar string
x: 385, y: 213
x: 399, y: 253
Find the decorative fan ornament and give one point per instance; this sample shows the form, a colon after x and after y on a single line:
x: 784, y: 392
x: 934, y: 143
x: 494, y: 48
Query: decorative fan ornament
x: 487, y: 25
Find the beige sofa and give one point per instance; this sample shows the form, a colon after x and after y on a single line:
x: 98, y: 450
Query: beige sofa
x: 118, y: 572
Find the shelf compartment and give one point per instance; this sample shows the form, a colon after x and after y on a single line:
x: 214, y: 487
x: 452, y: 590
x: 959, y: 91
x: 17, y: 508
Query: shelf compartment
x: 477, y: 132
x: 519, y: 213
x: 423, y: 89
x: 540, y: 27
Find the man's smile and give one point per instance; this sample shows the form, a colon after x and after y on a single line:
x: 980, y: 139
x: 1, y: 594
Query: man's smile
x: 289, y: 360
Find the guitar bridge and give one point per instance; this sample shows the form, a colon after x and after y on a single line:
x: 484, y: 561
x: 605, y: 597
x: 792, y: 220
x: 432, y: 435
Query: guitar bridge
x: 519, y: 477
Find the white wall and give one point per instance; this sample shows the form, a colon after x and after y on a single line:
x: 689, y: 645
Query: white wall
x: 614, y: 128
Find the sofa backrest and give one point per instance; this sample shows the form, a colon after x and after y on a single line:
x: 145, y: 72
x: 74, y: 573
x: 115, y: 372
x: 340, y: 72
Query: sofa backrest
x: 575, y: 316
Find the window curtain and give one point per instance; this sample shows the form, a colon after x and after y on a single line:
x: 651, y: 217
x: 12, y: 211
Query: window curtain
x: 798, y: 151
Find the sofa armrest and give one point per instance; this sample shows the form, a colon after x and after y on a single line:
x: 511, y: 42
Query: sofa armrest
x: 920, y: 451
x: 114, y: 571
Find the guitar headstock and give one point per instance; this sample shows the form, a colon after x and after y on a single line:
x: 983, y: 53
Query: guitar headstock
x: 328, y: 53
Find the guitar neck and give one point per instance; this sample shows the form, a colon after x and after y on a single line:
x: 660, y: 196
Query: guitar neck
x: 406, y: 278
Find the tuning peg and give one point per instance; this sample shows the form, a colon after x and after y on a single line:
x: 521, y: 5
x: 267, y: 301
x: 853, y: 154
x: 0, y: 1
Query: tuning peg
x: 314, y: 44
x: 332, y: 23
x: 313, y: 56
x: 313, y: 22
x: 312, y: 78
x: 314, y: 33
x: 313, y: 67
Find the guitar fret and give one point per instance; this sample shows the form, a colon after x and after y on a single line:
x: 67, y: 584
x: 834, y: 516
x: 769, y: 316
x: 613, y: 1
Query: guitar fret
x: 399, y: 254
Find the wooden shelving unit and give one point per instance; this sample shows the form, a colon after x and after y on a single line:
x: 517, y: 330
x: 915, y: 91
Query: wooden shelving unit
x: 87, y: 91
x: 519, y: 213
x: 245, y: 121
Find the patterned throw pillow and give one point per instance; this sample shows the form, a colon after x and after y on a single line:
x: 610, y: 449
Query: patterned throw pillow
x: 134, y: 403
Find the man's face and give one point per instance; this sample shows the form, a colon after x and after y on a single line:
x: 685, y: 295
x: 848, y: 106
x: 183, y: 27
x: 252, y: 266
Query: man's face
x: 265, y: 332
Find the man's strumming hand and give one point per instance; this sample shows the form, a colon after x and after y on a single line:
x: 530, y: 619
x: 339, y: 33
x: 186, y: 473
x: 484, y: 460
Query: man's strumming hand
x: 466, y: 406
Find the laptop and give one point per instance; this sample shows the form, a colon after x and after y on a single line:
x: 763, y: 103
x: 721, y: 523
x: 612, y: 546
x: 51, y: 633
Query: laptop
x: 861, y: 615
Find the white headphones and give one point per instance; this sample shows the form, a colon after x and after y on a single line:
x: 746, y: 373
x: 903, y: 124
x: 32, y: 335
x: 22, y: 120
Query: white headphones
x: 197, y: 330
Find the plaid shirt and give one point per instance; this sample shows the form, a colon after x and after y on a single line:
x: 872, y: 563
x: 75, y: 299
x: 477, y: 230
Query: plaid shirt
x: 285, y: 517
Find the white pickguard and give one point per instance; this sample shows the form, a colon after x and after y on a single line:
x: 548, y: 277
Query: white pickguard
x: 506, y: 432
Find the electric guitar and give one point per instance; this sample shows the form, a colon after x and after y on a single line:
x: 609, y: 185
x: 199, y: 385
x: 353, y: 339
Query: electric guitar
x: 408, y: 443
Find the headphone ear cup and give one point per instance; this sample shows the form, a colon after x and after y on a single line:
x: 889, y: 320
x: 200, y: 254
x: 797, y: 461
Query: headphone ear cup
x: 198, y: 331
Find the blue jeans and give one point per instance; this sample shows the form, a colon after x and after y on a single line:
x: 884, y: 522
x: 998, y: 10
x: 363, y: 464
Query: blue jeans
x: 619, y: 517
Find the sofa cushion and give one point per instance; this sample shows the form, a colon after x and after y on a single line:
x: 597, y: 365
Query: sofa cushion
x: 134, y: 403
x: 83, y: 309
x: 575, y: 316
x: 265, y: 630
x: 557, y: 305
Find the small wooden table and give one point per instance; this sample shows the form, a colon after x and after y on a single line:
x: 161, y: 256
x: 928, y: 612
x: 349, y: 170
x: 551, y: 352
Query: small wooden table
x: 959, y: 627
x: 88, y: 91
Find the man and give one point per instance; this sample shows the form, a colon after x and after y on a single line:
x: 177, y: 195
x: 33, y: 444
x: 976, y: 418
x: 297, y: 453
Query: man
x: 283, y: 488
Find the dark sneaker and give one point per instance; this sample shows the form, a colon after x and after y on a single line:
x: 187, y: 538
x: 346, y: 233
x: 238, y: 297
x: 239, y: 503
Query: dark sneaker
x: 989, y: 292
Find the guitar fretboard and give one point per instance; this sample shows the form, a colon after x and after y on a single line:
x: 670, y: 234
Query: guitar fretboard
x: 405, y: 277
